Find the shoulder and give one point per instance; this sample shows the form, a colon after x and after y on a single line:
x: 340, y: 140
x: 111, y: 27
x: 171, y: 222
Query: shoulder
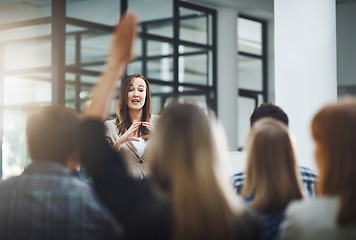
x: 309, y: 211
x: 312, y: 206
x: 110, y: 123
x: 110, y: 126
x: 308, y: 218
x: 8, y: 183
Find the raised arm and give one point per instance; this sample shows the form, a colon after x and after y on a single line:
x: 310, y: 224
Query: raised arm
x: 121, y: 194
x: 120, y: 55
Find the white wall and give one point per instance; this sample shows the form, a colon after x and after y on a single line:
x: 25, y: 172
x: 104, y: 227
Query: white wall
x: 305, y: 65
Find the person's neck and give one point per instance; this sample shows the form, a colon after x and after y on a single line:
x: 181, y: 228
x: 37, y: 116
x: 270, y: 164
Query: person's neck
x: 135, y: 115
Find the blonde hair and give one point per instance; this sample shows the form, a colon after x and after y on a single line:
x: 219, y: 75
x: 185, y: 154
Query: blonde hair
x: 187, y: 165
x: 271, y: 175
x: 334, y: 131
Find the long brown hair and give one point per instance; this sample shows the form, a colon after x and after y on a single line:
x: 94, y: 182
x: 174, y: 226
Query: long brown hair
x: 123, y: 120
x: 334, y: 131
x: 271, y: 167
x: 187, y: 165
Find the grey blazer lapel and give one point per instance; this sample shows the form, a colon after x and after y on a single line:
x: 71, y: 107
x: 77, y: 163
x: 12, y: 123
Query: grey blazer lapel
x: 130, y: 145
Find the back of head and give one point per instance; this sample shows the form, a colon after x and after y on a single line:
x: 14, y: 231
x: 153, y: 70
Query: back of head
x: 183, y: 136
x: 269, y: 110
x: 334, y: 131
x: 52, y: 134
x: 186, y: 158
x: 271, y: 167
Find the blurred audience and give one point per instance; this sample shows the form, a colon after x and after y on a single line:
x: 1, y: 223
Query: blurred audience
x: 271, y: 176
x: 333, y: 214
x: 189, y: 195
x: 309, y: 177
x: 46, y: 202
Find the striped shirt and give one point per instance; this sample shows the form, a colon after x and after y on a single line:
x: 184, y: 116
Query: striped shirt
x: 45, y: 202
x: 309, y: 178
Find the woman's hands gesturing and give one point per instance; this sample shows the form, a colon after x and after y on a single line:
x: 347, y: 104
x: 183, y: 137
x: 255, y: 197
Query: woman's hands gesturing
x: 129, y: 135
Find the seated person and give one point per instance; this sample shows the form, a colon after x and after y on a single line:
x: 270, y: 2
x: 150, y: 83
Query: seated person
x: 45, y: 201
x: 309, y: 177
x: 271, y: 177
x: 331, y: 215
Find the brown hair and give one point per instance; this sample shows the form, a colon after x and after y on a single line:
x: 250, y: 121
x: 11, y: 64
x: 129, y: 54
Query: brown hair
x: 187, y: 165
x: 334, y: 131
x: 271, y: 175
x: 52, y: 133
x: 123, y: 120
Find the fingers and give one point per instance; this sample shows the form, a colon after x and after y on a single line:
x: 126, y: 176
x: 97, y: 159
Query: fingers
x: 134, y: 139
x: 147, y: 125
x: 134, y: 127
x: 124, y: 37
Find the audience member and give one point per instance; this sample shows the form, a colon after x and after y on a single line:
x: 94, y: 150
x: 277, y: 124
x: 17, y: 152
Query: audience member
x: 188, y: 196
x: 46, y: 202
x: 331, y: 216
x: 129, y: 131
x: 270, y: 110
x: 271, y: 176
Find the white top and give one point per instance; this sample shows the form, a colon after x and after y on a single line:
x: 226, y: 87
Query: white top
x: 315, y: 219
x: 140, y: 146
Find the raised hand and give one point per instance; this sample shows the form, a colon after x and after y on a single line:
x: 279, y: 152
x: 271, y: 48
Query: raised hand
x: 121, y: 51
x: 120, y: 55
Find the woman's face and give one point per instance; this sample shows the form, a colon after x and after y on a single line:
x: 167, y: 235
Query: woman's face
x: 136, y: 96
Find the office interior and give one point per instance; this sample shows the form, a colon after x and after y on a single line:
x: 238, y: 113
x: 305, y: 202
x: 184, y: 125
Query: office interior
x: 227, y: 55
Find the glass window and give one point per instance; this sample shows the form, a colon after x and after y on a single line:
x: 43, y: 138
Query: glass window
x: 105, y: 12
x: 14, y: 146
x: 94, y: 46
x: 134, y: 67
x: 27, y: 89
x: 155, y: 48
x: 160, y: 68
x: 14, y: 11
x: 194, y: 26
x: 28, y: 47
x: 250, y: 73
x: 249, y: 36
x: 245, y: 107
x: 152, y: 10
x: 162, y: 28
x: 159, y: 96
x: 70, y: 93
x: 194, y: 69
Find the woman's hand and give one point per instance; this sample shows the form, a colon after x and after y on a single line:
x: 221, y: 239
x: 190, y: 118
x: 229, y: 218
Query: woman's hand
x: 129, y: 135
x: 121, y: 54
x: 149, y: 127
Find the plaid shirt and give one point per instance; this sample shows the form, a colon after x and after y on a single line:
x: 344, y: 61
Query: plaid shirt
x: 309, y: 180
x: 45, y: 202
